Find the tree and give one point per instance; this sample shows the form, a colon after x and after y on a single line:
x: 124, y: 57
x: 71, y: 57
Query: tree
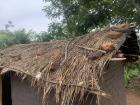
x: 8, y: 25
x: 5, y: 39
x: 8, y: 38
x: 81, y: 16
x: 44, y: 37
x: 21, y: 37
x: 55, y: 31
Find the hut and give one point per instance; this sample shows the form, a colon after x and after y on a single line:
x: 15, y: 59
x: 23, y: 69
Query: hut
x: 84, y: 70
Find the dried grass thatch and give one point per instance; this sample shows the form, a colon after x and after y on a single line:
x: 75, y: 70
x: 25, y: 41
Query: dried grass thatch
x: 65, y: 65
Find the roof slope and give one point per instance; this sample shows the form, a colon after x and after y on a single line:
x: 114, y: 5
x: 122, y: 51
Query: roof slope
x: 70, y: 66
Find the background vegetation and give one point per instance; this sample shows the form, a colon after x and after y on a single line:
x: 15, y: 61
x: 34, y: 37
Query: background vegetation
x: 132, y: 70
x: 81, y: 16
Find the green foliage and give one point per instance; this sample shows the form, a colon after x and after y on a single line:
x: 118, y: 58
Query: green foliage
x: 21, y: 37
x: 5, y: 39
x: 55, y: 31
x: 131, y: 71
x: 4, y: 36
x: 8, y: 38
x: 44, y: 37
x: 81, y: 16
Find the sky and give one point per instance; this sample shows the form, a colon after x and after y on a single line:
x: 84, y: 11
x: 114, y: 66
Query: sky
x: 26, y: 14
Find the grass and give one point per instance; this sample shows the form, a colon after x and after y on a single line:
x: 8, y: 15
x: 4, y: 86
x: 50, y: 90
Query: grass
x: 132, y: 70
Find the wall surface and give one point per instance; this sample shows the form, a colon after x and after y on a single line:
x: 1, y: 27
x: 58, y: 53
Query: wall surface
x: 23, y: 93
x: 113, y: 83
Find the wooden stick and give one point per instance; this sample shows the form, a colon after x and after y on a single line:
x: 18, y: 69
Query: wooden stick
x: 66, y: 52
x: 117, y: 59
x: 90, y: 49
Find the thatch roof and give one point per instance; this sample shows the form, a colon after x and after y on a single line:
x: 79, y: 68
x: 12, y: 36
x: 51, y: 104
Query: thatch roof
x: 70, y: 67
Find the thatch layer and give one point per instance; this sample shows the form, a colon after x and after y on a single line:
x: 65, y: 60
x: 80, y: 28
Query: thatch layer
x: 70, y: 67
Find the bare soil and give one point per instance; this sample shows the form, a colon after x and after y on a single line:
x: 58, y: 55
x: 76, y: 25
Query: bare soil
x: 133, y: 96
x: 133, y: 91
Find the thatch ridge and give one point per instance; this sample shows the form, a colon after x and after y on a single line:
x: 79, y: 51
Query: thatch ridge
x: 65, y: 65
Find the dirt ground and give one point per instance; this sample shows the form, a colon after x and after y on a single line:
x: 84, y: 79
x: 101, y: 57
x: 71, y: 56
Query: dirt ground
x: 133, y: 91
x: 133, y: 97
